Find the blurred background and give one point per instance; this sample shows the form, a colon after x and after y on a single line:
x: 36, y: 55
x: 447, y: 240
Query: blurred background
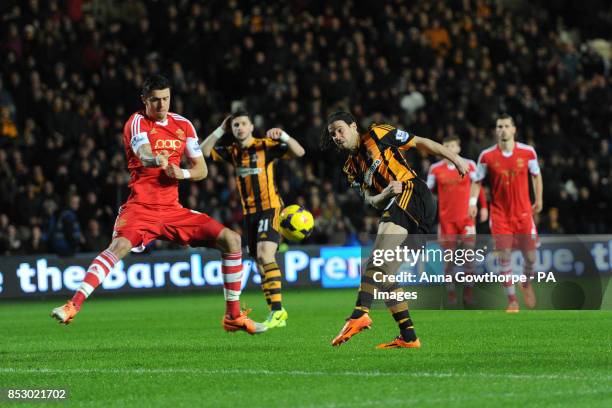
x: 72, y: 70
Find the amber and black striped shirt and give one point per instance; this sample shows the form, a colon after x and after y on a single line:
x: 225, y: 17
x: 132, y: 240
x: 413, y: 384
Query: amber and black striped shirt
x: 254, y: 171
x: 378, y: 160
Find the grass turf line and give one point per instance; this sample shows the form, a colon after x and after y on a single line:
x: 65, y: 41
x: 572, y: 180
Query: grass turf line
x: 145, y: 351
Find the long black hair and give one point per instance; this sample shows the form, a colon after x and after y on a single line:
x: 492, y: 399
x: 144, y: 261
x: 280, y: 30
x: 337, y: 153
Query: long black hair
x: 326, y: 141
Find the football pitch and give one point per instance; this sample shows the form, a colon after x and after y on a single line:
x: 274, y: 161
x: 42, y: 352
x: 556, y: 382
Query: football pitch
x: 171, y: 351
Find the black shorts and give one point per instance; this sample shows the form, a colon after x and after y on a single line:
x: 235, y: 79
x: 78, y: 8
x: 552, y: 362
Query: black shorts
x: 414, y: 209
x: 262, y: 226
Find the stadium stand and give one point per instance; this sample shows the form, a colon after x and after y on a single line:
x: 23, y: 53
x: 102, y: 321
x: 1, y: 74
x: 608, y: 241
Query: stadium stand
x: 72, y: 71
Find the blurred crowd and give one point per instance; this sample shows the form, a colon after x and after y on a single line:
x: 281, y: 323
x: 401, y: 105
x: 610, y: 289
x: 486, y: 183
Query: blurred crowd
x: 72, y: 72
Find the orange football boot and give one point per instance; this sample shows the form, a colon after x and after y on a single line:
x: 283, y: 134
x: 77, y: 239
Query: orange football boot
x: 351, y: 328
x: 513, y: 307
x: 64, y: 314
x: 398, y: 342
x: 242, y: 322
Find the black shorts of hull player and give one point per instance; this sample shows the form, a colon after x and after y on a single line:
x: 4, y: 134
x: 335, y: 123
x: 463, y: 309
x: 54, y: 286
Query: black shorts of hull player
x: 254, y: 163
x: 376, y: 166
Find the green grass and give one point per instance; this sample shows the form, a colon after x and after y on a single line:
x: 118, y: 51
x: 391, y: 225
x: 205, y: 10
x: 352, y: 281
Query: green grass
x: 171, y: 350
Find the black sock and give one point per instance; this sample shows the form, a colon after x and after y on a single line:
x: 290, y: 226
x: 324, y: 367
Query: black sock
x: 408, y: 334
x: 407, y: 330
x: 358, y: 312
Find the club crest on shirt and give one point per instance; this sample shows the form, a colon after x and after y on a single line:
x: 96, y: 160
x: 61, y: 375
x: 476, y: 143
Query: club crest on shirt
x: 120, y: 222
x: 402, y: 136
x: 180, y: 134
x: 520, y: 163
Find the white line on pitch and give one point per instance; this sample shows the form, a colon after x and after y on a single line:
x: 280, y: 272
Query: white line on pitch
x: 204, y: 371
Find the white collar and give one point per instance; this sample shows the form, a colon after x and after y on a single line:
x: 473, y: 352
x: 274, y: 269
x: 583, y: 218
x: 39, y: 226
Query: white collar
x: 163, y: 122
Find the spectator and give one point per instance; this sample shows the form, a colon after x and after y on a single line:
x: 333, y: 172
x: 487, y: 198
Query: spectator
x: 13, y: 240
x: 552, y: 225
x: 64, y: 232
x: 438, y: 37
x: 8, y: 128
x: 4, y: 242
x: 35, y: 244
x: 95, y: 239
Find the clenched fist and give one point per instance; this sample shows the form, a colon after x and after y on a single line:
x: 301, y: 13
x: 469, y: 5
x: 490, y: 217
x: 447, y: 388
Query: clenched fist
x: 162, y: 159
x: 274, y: 133
x: 393, y: 188
x: 174, y: 171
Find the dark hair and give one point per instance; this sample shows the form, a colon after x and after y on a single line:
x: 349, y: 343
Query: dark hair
x: 154, y: 83
x: 451, y: 138
x: 237, y: 114
x: 503, y: 116
x: 345, y: 116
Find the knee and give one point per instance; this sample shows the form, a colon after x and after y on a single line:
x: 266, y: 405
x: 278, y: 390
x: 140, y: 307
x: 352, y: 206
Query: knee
x: 530, y: 258
x: 261, y: 259
x: 230, y: 241
x: 120, y: 247
x: 373, y: 266
x: 264, y: 258
x: 504, y: 256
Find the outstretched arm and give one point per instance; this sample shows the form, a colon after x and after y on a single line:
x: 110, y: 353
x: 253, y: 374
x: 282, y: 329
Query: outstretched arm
x: 431, y: 147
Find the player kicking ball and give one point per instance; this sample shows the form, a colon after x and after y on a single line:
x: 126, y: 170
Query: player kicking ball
x: 507, y: 165
x: 155, y: 142
x: 375, y: 164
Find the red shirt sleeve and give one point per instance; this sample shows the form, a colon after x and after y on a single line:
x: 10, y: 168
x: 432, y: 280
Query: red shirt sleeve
x: 190, y: 130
